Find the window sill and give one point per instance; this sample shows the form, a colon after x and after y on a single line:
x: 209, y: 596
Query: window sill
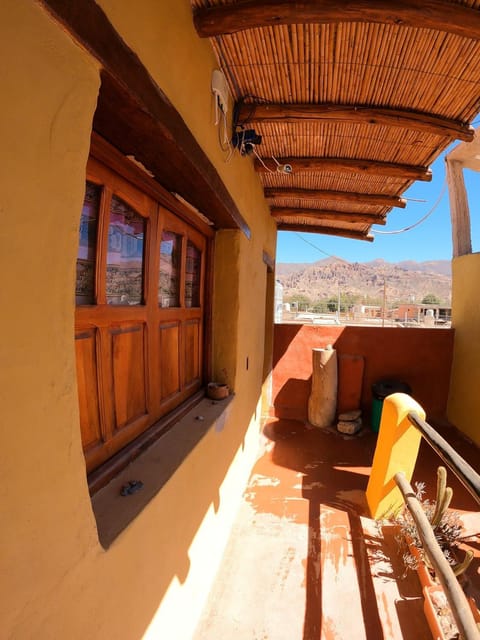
x: 154, y: 467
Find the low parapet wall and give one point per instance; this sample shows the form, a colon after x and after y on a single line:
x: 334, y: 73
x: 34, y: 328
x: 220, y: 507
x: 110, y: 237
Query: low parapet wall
x: 420, y: 357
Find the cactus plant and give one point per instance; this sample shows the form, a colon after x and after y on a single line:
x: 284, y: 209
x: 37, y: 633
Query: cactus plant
x: 444, y: 497
x: 446, y: 525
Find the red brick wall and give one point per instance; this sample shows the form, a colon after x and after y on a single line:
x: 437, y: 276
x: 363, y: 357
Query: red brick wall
x: 420, y: 357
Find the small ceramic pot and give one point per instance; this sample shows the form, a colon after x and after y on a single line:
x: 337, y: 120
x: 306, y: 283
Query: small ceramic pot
x: 217, y: 391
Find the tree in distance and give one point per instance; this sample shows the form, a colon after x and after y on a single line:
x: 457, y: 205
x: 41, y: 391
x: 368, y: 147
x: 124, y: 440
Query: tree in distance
x: 431, y: 298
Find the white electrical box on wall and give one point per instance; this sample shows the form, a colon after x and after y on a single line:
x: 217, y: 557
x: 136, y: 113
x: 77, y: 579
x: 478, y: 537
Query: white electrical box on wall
x: 220, y: 91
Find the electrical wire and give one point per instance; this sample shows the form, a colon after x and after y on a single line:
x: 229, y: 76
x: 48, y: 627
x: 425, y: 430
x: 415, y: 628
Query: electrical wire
x: 329, y: 255
x: 416, y: 224
x: 226, y: 142
x: 261, y: 161
x: 223, y: 140
x: 280, y: 167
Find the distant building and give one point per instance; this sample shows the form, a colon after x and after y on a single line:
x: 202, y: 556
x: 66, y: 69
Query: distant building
x: 361, y: 311
x: 278, y: 302
x: 418, y: 313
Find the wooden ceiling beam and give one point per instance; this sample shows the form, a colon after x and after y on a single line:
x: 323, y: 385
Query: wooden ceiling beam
x: 137, y: 118
x: 294, y: 113
x: 439, y: 15
x: 346, y: 165
x: 320, y: 214
x: 328, y: 231
x: 342, y: 196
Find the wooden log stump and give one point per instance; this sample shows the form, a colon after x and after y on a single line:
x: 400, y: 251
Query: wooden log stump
x: 322, y: 404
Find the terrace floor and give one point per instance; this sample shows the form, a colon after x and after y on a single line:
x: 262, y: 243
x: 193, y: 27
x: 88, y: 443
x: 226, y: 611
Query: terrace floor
x: 304, y: 562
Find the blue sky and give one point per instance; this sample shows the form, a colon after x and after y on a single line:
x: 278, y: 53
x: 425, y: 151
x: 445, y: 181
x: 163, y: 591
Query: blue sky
x: 431, y: 240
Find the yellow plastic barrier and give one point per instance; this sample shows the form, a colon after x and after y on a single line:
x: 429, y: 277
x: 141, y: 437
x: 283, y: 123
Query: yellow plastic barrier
x: 397, y: 450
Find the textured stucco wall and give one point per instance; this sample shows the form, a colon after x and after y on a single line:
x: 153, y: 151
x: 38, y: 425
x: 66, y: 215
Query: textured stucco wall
x: 49, y: 91
x: 57, y: 581
x: 420, y: 357
x: 464, y: 399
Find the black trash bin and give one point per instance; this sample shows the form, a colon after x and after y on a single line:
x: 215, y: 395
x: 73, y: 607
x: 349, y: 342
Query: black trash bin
x: 380, y: 390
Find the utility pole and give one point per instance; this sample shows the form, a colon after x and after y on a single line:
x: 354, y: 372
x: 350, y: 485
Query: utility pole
x: 384, y: 302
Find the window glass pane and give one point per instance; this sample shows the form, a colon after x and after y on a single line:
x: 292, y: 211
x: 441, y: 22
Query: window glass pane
x: 192, y: 276
x: 125, y: 262
x: 85, y: 283
x: 169, y: 278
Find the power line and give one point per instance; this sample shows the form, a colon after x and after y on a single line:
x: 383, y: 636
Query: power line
x: 416, y: 224
x: 329, y: 255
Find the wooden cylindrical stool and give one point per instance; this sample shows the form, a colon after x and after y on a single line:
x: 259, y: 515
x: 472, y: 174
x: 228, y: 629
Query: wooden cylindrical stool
x: 322, y: 404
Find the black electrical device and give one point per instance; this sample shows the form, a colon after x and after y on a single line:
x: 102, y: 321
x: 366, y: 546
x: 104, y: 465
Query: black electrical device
x: 245, y: 140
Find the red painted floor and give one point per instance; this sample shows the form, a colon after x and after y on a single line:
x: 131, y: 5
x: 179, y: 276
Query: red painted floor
x: 304, y: 562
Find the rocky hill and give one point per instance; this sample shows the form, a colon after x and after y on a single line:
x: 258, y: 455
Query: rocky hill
x: 407, y: 281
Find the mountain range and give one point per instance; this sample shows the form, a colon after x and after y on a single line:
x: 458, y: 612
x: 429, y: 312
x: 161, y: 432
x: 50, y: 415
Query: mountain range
x: 406, y: 281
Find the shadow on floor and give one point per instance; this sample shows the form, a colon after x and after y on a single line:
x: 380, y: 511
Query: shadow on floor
x: 335, y: 471
x: 304, y: 560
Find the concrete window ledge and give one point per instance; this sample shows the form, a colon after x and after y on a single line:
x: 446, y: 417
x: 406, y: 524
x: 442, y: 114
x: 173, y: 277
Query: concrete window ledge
x: 154, y: 467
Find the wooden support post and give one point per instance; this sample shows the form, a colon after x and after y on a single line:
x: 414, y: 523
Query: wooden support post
x: 322, y: 404
x: 397, y: 449
x: 459, y: 210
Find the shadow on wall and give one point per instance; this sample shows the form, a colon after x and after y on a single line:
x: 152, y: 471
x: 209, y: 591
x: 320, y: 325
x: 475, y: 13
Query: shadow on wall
x: 175, y: 534
x: 287, y: 398
x: 420, y: 357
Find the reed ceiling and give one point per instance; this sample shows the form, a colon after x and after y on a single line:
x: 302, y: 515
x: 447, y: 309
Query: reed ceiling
x: 358, y: 97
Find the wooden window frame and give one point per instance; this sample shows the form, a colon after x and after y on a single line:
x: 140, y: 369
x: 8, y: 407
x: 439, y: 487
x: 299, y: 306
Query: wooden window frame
x: 103, y: 153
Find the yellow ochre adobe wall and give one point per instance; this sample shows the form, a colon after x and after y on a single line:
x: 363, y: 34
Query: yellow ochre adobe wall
x: 181, y: 63
x: 57, y: 580
x: 464, y: 398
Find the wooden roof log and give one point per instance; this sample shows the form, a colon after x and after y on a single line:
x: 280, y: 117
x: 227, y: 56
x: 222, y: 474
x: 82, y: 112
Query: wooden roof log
x: 439, y: 15
x: 346, y: 165
x: 343, y: 196
x: 137, y: 118
x: 328, y: 231
x: 320, y: 214
x: 423, y: 122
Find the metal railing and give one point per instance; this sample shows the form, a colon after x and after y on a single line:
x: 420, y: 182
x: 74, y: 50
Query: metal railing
x: 457, y: 600
x: 464, y: 472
